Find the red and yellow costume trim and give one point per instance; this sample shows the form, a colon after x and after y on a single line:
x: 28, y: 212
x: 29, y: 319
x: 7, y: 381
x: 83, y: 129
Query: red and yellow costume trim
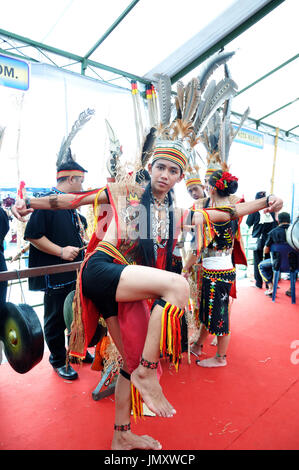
x: 112, y: 251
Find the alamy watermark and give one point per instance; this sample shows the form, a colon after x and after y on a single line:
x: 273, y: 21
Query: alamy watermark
x: 295, y: 354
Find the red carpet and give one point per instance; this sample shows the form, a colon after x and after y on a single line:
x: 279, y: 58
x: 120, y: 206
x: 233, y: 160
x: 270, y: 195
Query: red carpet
x: 253, y: 403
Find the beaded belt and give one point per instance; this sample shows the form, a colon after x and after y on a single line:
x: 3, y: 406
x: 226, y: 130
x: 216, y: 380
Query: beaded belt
x: 208, y: 253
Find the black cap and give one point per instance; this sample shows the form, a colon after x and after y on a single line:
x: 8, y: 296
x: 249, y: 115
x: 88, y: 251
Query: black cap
x: 71, y: 165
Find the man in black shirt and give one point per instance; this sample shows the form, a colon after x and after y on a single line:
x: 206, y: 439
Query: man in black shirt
x: 55, y: 238
x: 277, y: 235
x: 261, y: 225
x: 4, y: 228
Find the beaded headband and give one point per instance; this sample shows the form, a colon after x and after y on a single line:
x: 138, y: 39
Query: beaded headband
x: 192, y: 181
x: 62, y: 173
x: 172, y: 150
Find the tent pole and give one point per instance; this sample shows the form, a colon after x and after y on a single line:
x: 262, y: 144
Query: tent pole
x: 274, y: 160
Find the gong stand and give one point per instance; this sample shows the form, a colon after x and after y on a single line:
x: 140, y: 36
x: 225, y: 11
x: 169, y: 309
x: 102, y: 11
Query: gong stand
x: 20, y: 328
x: 22, y: 335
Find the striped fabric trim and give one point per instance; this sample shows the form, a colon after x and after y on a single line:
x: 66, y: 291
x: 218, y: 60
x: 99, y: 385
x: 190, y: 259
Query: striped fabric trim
x: 171, y: 154
x: 110, y: 250
x: 192, y: 181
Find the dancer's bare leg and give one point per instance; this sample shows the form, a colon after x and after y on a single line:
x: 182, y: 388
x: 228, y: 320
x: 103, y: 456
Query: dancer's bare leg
x: 220, y: 359
x: 137, y: 283
x: 125, y: 440
x: 222, y: 345
x: 196, y: 347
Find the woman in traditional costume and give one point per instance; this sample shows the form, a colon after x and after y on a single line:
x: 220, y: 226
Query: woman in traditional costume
x: 218, y: 274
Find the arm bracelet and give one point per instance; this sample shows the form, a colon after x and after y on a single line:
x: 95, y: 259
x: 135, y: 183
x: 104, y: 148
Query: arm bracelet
x: 53, y: 201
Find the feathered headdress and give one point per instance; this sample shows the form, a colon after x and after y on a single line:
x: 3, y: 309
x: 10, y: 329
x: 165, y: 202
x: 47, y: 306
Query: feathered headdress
x: 176, y: 124
x: 181, y: 123
x: 65, y: 161
x: 219, y: 135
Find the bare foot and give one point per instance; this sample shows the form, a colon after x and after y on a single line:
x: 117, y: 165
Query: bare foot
x: 146, y: 382
x: 212, y: 362
x: 126, y: 440
x: 196, y: 349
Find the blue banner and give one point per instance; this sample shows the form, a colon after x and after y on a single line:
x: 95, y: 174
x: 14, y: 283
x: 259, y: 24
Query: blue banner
x: 14, y: 73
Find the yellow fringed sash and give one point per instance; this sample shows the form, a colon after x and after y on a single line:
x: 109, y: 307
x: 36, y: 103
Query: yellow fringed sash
x: 170, y: 340
x: 137, y: 403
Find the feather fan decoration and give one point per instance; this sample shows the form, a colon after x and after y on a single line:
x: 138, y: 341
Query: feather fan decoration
x: 83, y: 118
x: 163, y: 87
x: 191, y: 100
x: 114, y: 142
x: 148, y: 146
x: 224, y: 90
x: 210, y: 67
x: 182, y: 129
x: 219, y: 134
x: 243, y: 119
x: 2, y: 130
x: 180, y: 99
x: 115, y: 151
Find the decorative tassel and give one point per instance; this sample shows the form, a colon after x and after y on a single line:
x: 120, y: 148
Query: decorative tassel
x: 98, y: 359
x: 137, y: 404
x: 170, y: 341
x: 207, y: 235
x: 77, y: 337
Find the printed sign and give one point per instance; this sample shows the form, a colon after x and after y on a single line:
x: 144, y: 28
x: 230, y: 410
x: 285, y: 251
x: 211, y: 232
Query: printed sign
x: 249, y: 137
x: 14, y: 73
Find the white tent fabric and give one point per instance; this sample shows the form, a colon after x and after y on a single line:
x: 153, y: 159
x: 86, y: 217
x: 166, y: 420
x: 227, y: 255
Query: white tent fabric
x: 40, y: 118
x: 223, y: 24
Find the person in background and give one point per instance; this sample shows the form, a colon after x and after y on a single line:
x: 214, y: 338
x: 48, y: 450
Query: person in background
x: 218, y: 273
x: 276, y: 235
x: 57, y: 237
x: 261, y: 224
x: 196, y: 189
x: 4, y: 228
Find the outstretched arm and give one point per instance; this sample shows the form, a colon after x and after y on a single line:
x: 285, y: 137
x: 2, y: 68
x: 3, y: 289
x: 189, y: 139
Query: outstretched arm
x: 24, y: 207
x: 271, y: 203
x: 189, y: 261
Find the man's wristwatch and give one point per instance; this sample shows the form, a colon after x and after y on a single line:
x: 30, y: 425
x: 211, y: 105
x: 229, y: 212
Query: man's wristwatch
x: 27, y: 202
x: 267, y: 200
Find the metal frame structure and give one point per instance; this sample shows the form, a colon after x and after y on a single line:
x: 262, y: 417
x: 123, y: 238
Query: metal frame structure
x: 86, y: 62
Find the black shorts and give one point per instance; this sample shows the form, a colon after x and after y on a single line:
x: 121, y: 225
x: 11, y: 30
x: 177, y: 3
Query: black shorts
x: 100, y: 278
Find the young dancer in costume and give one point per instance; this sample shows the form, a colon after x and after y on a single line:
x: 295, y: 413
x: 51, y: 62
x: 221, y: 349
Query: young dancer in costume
x: 121, y: 265
x: 218, y: 273
x: 132, y: 283
x: 217, y: 138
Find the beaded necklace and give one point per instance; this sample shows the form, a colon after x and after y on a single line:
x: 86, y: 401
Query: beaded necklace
x: 160, y: 222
